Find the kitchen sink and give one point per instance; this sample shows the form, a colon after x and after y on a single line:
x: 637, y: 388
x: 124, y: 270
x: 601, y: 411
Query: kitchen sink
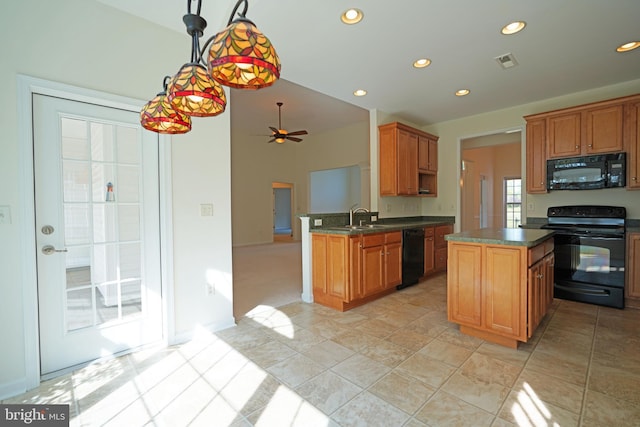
x: 364, y: 227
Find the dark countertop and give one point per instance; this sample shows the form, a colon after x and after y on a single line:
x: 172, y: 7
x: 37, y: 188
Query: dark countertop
x: 377, y: 228
x: 503, y: 236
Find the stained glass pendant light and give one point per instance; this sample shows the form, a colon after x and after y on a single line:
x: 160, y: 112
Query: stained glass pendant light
x: 192, y: 91
x: 241, y: 56
x: 158, y: 115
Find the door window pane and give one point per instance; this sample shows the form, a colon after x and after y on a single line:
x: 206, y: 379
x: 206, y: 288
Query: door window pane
x: 104, y: 223
x: 76, y: 181
x: 513, y: 202
x: 74, y: 139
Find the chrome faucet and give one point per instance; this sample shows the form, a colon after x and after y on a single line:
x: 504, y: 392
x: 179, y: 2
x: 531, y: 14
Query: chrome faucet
x: 355, y: 211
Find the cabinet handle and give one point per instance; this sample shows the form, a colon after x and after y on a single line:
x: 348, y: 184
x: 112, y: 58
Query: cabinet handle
x: 634, y: 178
x: 540, y: 276
x: 577, y: 146
x: 589, y: 145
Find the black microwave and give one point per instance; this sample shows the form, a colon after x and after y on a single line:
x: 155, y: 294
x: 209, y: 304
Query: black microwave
x: 587, y: 173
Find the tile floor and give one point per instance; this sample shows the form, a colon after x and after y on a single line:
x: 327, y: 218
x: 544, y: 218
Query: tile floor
x: 393, y: 362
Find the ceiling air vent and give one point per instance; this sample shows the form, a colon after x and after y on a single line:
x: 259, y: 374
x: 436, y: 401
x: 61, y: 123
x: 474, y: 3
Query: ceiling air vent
x: 506, y: 61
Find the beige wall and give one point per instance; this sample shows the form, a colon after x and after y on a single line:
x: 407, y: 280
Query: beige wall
x: 452, y: 132
x: 89, y: 45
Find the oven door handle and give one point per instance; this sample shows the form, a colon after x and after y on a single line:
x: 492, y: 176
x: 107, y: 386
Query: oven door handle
x: 576, y: 290
x: 597, y: 236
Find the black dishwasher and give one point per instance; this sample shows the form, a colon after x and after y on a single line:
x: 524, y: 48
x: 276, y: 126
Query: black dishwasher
x: 412, y: 256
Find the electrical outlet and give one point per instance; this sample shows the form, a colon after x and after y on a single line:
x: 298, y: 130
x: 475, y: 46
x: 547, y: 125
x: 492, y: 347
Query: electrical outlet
x: 317, y: 222
x: 374, y: 218
x: 530, y: 206
x: 388, y: 207
x: 209, y: 289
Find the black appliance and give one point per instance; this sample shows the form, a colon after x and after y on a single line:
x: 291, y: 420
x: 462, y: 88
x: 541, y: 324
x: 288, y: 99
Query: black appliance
x: 412, y: 256
x: 587, y: 173
x: 589, y: 253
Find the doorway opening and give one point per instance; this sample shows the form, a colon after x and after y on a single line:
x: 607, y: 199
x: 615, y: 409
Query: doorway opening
x: 282, y: 211
x: 486, y: 162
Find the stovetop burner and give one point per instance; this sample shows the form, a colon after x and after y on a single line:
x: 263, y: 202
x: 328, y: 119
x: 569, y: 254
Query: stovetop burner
x: 584, y: 219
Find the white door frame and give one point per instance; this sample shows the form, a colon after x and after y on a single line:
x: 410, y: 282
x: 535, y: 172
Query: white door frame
x: 27, y: 87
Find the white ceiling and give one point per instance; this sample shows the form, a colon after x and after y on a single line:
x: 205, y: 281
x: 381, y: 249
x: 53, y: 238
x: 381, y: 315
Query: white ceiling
x: 567, y: 46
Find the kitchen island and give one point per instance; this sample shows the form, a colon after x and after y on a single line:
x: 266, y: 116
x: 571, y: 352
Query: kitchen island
x: 499, y: 282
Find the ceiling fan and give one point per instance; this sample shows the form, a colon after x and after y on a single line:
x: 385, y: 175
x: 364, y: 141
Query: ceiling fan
x: 280, y: 135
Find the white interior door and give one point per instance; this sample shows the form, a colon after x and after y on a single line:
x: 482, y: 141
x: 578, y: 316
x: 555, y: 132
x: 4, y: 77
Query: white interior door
x: 97, y: 232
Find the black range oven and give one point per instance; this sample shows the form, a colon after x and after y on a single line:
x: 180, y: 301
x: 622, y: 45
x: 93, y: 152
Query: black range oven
x: 589, y: 253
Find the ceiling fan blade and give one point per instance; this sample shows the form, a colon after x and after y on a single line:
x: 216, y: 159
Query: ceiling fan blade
x: 298, y: 132
x: 273, y: 129
x: 272, y: 140
x: 291, y: 138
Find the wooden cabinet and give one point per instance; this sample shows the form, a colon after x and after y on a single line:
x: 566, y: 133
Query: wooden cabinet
x: 536, y: 156
x: 348, y: 271
x: 499, y: 292
x: 609, y: 126
x: 429, y: 251
x: 440, y: 245
x: 408, y: 161
x: 592, y: 130
x: 381, y: 262
x: 632, y: 143
x: 632, y: 285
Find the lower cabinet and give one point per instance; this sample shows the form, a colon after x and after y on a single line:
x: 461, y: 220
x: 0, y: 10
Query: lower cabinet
x: 429, y: 251
x: 632, y: 285
x: 440, y: 245
x: 348, y: 271
x: 498, y: 292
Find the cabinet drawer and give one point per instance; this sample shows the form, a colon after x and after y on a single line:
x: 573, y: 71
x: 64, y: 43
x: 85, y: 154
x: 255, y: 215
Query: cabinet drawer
x: 538, y: 252
x: 369, y: 240
x: 393, y: 237
x: 429, y: 231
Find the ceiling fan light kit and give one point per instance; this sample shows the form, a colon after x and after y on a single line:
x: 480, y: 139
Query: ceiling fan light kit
x: 280, y: 135
x: 240, y: 56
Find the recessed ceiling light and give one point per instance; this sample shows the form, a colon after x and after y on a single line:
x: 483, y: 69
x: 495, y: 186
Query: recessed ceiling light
x: 422, y: 62
x: 352, y: 16
x: 462, y: 92
x: 513, y: 27
x: 628, y: 46
x: 360, y: 92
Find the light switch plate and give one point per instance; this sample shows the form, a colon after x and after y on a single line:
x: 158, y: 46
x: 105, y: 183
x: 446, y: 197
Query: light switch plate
x: 317, y: 222
x: 374, y: 218
x: 206, y: 209
x: 5, y: 215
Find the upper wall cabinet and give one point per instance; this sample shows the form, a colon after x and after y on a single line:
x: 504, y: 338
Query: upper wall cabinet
x: 408, y: 161
x: 632, y: 139
x: 596, y: 128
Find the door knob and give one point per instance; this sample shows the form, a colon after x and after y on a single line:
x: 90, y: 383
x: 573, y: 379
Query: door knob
x: 48, y: 250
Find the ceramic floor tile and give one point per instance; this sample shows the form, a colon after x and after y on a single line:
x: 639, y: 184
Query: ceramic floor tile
x: 269, y: 354
x: 409, y: 339
x: 423, y: 368
x: 187, y: 405
x: 387, y: 353
x: 446, y: 410
x: 328, y: 391
x: 523, y: 408
x: 454, y: 336
x: 295, y: 370
x: 404, y: 393
x: 328, y: 353
x: 376, y: 328
x: 507, y: 355
x: 368, y: 410
x: 562, y: 366
x: 356, y: 340
x: 361, y: 370
x: 551, y: 390
x: 603, y: 410
x: 250, y: 389
x: 491, y: 370
x: 614, y: 382
x: 302, y: 340
x: 443, y: 351
x: 484, y: 395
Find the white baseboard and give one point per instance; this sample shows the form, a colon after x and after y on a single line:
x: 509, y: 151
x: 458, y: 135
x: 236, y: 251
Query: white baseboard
x: 13, y: 388
x: 211, y: 328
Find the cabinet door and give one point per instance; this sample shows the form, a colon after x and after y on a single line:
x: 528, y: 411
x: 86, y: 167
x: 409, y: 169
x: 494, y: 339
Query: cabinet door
x: 536, y: 156
x: 423, y: 153
x: 536, y: 296
x: 355, y: 268
x: 392, y: 264
x: 505, y: 291
x: 433, y: 155
x: 464, y: 298
x: 407, y: 163
x: 388, y: 161
x: 633, y: 145
x: 633, y: 265
x: 372, y: 270
x: 337, y: 266
x: 604, y: 130
x: 429, y: 252
x: 563, y: 135
x: 319, y: 265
